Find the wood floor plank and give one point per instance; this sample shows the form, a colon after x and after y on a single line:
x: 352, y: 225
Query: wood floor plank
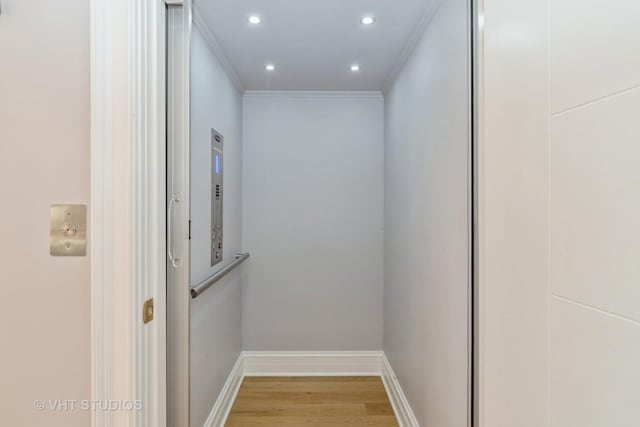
x: 378, y: 408
x: 278, y: 408
x: 312, y: 401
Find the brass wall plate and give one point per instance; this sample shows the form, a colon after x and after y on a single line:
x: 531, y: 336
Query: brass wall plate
x: 68, y: 230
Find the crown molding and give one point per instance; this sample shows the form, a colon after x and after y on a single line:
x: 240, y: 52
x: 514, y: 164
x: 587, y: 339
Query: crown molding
x: 217, y: 50
x: 413, y: 41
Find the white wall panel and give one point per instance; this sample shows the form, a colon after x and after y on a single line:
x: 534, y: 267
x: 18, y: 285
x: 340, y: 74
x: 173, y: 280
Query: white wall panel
x: 595, y: 47
x: 513, y: 207
x: 594, y: 213
x: 595, y: 210
x: 595, y: 369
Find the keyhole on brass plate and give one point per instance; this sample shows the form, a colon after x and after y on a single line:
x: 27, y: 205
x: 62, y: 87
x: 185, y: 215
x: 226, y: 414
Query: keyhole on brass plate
x: 69, y: 229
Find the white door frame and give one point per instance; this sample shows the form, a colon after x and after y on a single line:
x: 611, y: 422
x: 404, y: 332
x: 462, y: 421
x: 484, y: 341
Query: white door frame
x: 128, y: 208
x: 127, y: 224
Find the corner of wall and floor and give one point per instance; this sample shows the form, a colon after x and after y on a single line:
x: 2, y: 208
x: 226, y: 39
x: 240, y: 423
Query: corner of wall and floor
x: 258, y: 363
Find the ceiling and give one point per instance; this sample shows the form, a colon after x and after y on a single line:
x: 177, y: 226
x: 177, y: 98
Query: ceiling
x: 313, y: 43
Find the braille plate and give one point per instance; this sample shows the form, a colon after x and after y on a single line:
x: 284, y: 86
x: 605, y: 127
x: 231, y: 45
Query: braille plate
x: 68, y: 230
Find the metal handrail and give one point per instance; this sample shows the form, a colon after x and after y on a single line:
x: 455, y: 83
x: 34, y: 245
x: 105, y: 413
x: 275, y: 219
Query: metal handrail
x: 197, y: 290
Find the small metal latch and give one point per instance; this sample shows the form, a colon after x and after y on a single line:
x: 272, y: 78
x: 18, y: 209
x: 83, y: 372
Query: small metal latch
x: 147, y: 311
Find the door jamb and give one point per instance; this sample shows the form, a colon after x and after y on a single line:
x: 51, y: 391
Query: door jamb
x: 127, y: 233
x: 477, y: 94
x: 179, y: 22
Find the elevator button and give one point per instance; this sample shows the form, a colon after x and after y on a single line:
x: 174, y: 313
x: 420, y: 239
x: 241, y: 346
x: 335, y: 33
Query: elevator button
x: 68, y: 230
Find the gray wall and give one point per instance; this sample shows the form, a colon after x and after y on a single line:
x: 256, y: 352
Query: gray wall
x: 216, y: 315
x: 44, y: 159
x: 313, y: 181
x: 426, y: 265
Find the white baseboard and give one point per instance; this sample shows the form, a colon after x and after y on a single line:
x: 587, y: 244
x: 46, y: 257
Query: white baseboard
x: 303, y: 364
x: 399, y: 401
x: 222, y: 407
x: 293, y: 363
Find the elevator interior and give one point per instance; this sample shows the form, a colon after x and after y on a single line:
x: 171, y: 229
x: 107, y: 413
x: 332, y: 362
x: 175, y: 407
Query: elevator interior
x: 331, y: 141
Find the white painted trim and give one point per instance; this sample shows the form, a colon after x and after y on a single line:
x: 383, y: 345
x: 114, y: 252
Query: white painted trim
x: 101, y: 221
x: 127, y: 267
x: 416, y: 35
x: 479, y: 336
x: 112, y: 343
x: 399, y: 401
x: 215, y: 47
x: 345, y: 363
x: 313, y: 94
x: 149, y: 177
x: 222, y: 407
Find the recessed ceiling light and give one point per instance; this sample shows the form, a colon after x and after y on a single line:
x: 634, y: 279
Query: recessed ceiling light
x: 355, y: 67
x: 270, y: 67
x: 368, y: 20
x: 254, y: 19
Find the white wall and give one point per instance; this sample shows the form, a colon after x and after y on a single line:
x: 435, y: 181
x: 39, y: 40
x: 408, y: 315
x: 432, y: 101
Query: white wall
x: 44, y: 159
x: 313, y: 174
x: 513, y: 215
x: 560, y: 323
x: 216, y: 314
x: 426, y: 269
x: 595, y: 213
x: 513, y: 298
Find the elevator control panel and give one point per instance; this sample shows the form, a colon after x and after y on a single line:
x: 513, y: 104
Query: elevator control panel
x: 217, y: 195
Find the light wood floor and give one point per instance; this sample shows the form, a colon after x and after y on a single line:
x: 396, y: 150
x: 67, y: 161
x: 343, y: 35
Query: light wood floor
x: 312, y: 401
